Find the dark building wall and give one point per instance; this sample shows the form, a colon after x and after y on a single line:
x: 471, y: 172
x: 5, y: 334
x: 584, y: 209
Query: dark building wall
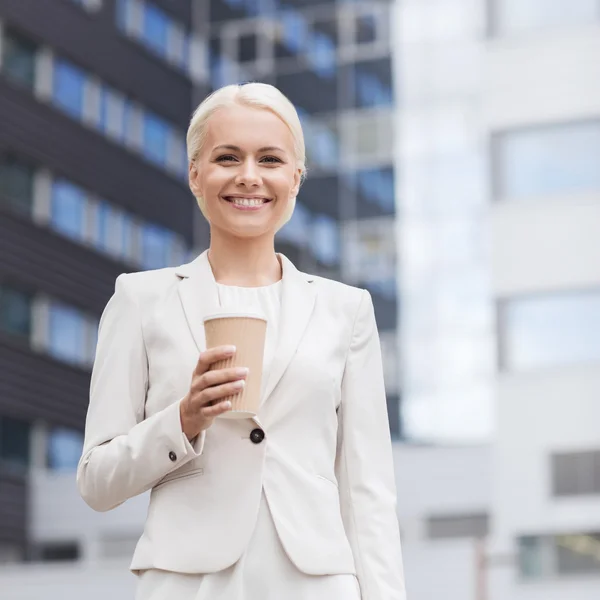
x: 13, y: 509
x: 36, y: 387
x: 42, y: 133
x: 95, y: 42
x: 45, y: 262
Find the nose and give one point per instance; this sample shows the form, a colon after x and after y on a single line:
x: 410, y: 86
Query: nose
x: 248, y: 175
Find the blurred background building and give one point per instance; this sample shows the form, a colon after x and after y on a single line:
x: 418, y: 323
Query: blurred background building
x: 476, y: 122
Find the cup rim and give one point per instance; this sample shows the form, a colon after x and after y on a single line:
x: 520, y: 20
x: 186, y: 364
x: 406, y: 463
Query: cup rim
x: 239, y: 315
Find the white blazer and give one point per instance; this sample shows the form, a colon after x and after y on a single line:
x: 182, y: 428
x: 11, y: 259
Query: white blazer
x: 325, y: 462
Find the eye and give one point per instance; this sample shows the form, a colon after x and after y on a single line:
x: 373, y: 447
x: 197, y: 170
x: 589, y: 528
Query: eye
x: 271, y: 160
x: 226, y: 158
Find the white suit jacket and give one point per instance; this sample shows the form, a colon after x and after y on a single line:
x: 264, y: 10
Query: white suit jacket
x: 325, y: 463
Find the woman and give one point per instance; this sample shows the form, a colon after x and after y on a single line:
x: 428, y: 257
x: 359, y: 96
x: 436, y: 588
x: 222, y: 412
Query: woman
x: 298, y: 503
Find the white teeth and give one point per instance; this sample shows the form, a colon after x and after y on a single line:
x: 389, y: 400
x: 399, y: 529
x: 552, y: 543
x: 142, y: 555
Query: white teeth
x: 248, y: 201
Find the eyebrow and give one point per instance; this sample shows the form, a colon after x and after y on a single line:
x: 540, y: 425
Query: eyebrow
x: 238, y: 149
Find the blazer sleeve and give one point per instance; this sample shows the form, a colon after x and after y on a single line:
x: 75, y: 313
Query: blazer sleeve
x: 125, y: 454
x: 364, y: 465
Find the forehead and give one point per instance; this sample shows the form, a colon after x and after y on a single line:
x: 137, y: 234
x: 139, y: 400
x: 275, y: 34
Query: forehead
x: 247, y: 128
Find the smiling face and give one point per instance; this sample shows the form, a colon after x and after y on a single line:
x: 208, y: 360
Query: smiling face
x: 246, y: 171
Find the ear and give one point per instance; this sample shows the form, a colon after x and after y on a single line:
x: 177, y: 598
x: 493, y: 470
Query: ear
x: 193, y: 176
x: 297, y: 181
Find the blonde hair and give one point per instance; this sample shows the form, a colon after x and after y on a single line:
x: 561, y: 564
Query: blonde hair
x: 254, y: 95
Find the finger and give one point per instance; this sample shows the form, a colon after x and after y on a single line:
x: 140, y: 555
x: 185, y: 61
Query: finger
x: 210, y: 412
x: 209, y: 395
x: 218, y: 377
x: 212, y: 355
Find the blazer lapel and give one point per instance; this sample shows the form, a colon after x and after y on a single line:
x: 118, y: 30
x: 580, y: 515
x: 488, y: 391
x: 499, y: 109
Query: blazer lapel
x: 297, y: 304
x: 199, y: 296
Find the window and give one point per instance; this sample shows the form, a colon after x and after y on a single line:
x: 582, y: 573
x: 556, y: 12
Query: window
x: 550, y: 330
x: 297, y: 229
x: 322, y: 54
x: 377, y: 187
x: 71, y: 335
x: 156, y: 138
x: 519, y: 16
x: 58, y: 551
x: 16, y: 185
x: 64, y: 449
x: 14, y: 443
x: 67, y: 333
x: 576, y: 473
x: 369, y: 250
x: 18, y: 59
x: 367, y: 138
x: 15, y: 311
x: 369, y: 84
x: 155, y: 28
x: 112, y: 113
x: 294, y: 30
x: 68, y: 208
x: 547, y: 556
x: 69, y: 87
x: 457, y: 526
x: 325, y: 242
x: 156, y: 247
x: 547, y: 161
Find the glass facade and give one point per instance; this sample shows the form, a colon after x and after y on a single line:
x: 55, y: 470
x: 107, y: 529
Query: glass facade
x: 549, y: 161
x: 550, y: 330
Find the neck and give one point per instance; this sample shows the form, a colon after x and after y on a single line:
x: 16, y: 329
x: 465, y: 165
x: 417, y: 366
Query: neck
x: 244, y: 262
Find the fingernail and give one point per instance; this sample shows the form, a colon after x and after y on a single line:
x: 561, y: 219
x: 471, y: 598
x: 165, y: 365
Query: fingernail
x: 229, y: 349
x: 240, y: 383
x: 227, y: 404
x: 241, y: 371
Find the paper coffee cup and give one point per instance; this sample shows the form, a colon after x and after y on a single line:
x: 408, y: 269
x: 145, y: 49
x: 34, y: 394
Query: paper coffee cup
x: 247, y: 332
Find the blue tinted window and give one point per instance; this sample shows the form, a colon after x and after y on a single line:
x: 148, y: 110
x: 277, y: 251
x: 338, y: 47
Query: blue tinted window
x: 326, y: 148
x: 156, y: 138
x: 156, y: 245
x: 155, y: 30
x: 550, y: 160
x: 68, y: 209
x: 68, y: 89
x: 65, y: 447
x: 295, y: 30
x: 66, y: 340
x: 103, y: 226
x: 297, y: 229
x: 377, y: 186
x: 322, y: 54
x: 371, y: 91
x: 325, y: 240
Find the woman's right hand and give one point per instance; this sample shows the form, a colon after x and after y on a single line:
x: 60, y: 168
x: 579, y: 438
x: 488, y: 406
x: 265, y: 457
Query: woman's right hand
x: 204, y: 400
